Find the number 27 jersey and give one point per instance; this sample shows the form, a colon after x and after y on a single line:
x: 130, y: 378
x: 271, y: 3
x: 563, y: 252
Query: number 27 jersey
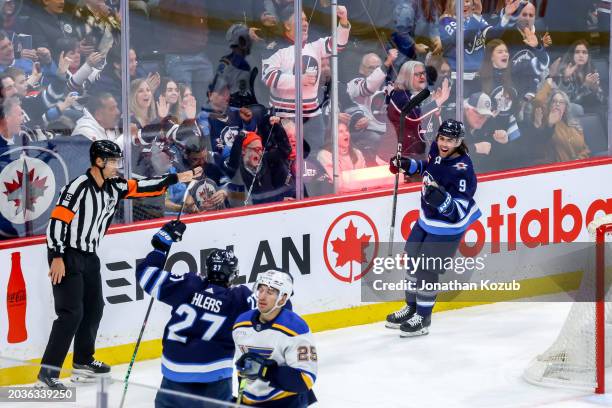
x: 197, y: 342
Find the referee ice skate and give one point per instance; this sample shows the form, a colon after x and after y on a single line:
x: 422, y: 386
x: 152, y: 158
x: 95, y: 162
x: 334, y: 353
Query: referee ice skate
x: 83, y: 213
x: 447, y: 210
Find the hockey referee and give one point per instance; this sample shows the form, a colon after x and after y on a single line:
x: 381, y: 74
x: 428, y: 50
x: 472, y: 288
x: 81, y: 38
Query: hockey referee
x: 83, y: 213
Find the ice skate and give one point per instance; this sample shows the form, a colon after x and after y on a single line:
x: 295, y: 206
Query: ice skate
x: 84, y: 373
x: 395, y: 319
x: 417, y: 325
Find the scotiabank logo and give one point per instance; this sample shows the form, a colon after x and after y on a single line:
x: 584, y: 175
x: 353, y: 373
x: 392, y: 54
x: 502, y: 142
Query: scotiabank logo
x: 533, y: 228
x: 350, y: 246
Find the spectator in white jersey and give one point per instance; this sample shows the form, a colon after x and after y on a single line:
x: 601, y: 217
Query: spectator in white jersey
x: 278, y: 73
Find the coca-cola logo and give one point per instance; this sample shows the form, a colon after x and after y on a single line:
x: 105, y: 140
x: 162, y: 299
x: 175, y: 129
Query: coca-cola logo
x: 17, y: 297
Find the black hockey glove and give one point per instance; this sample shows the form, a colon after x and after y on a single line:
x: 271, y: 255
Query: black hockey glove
x: 437, y: 197
x: 253, y: 366
x: 171, y: 232
x: 405, y: 165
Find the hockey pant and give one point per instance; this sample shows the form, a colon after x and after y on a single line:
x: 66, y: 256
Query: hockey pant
x: 432, y: 249
x: 219, y: 390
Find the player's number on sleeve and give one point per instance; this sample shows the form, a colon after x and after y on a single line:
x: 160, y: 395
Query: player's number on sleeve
x: 190, y: 317
x: 462, y: 185
x: 307, y: 353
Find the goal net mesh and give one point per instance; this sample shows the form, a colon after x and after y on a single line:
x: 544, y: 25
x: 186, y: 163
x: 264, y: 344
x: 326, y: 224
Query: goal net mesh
x: 571, y: 360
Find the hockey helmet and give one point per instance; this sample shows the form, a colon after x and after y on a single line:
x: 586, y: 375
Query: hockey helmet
x: 104, y: 149
x: 221, y: 267
x: 276, y: 279
x: 452, y: 128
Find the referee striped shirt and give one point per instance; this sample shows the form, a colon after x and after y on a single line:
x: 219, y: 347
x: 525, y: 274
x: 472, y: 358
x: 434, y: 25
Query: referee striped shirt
x: 84, y: 210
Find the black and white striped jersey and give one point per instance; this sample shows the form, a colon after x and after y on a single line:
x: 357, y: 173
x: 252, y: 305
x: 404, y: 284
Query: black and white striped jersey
x: 84, y: 210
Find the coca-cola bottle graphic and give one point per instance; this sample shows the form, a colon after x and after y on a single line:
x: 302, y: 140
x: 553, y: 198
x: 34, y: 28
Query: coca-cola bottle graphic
x: 16, y: 302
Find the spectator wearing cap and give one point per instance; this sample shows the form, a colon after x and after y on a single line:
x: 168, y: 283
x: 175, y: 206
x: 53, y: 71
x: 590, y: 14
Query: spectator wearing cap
x: 258, y: 174
x: 235, y: 69
x: 489, y: 146
x: 221, y: 122
x: 100, y: 119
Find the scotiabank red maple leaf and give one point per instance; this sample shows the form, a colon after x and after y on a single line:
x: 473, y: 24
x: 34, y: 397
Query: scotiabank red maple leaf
x: 351, y: 249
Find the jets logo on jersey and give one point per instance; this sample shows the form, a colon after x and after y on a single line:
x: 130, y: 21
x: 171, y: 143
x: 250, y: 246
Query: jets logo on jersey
x: 427, y: 180
x: 461, y: 166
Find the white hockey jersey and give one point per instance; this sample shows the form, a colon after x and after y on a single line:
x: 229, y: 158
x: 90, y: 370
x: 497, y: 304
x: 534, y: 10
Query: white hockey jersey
x: 370, y: 96
x: 288, y: 341
x: 278, y: 73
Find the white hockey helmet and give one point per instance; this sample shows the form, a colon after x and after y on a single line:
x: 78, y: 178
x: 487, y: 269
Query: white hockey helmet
x: 276, y: 279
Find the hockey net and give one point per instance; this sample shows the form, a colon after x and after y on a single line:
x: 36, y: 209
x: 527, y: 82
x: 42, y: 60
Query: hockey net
x: 579, y: 355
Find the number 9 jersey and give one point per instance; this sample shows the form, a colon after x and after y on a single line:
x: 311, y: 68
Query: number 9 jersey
x: 288, y: 341
x: 457, y: 177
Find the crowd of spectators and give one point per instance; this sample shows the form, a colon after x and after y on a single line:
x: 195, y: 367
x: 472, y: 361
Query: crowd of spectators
x: 213, y: 84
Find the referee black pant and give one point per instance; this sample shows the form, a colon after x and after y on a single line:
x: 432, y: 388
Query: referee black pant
x: 78, y: 305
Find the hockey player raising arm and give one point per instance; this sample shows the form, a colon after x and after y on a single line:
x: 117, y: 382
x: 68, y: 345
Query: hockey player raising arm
x: 197, y: 344
x: 447, y: 210
x: 275, y: 349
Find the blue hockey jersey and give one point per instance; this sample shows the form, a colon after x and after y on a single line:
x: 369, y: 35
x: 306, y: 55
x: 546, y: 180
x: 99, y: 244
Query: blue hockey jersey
x: 477, y: 32
x: 458, y: 178
x: 197, y: 343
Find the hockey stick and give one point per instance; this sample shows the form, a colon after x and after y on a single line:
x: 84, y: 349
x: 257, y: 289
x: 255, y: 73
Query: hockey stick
x: 412, y: 103
x: 241, y: 390
x: 146, y: 318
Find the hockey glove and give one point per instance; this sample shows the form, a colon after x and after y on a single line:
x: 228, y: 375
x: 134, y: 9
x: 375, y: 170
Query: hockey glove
x: 253, y: 366
x: 169, y: 233
x: 405, y: 165
x: 437, y: 197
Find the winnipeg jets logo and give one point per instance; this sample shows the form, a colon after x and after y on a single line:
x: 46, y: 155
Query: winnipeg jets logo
x: 24, y: 184
x: 461, y: 166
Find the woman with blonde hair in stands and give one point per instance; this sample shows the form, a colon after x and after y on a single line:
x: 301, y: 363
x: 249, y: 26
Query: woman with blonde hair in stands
x: 557, y: 134
x: 142, y: 107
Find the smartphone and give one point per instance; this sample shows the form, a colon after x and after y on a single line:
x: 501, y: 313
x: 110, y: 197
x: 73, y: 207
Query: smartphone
x: 22, y: 42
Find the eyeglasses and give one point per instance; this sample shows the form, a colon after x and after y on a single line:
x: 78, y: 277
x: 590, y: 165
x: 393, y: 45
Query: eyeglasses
x: 255, y: 149
x: 420, y: 74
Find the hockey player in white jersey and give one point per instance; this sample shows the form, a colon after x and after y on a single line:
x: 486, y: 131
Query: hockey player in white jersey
x: 275, y: 349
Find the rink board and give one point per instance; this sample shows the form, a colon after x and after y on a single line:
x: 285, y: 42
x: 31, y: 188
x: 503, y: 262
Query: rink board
x: 301, y: 236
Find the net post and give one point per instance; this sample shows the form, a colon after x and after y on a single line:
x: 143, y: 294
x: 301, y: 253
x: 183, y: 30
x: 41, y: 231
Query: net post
x: 600, y: 307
